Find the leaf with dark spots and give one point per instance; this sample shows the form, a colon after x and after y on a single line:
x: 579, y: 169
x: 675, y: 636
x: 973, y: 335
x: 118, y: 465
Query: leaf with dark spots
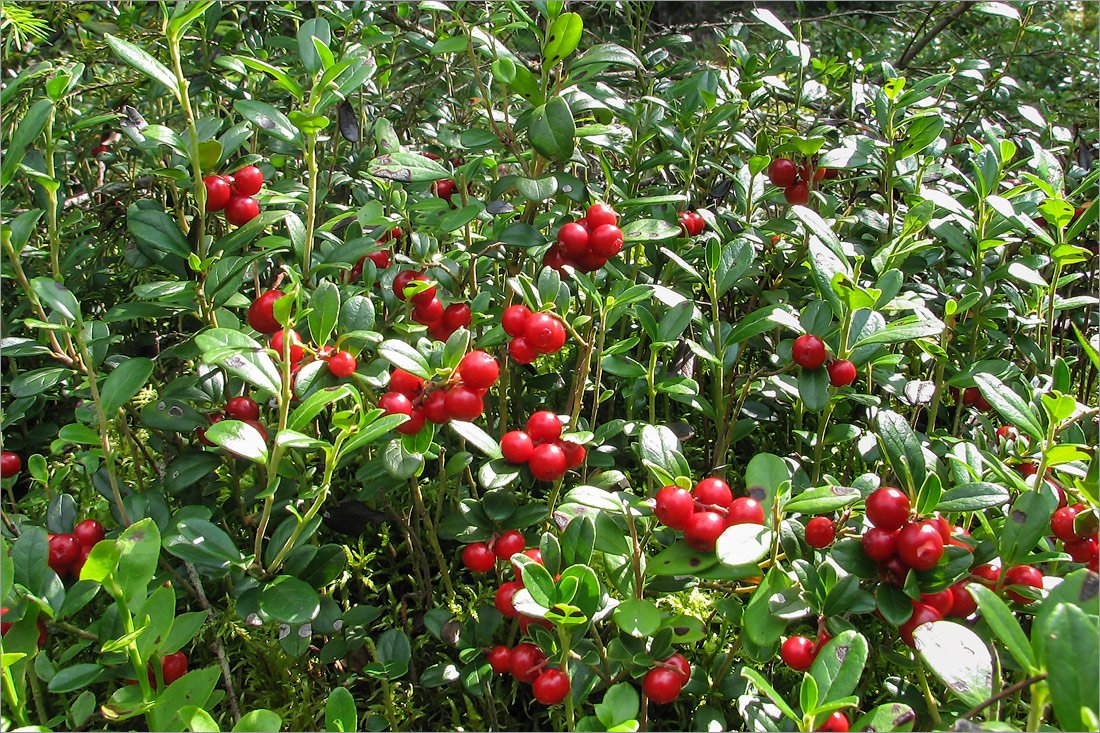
x: 265, y: 122
x: 1089, y: 587
x: 348, y: 122
x: 1018, y: 516
x: 499, y: 207
x: 681, y: 630
x: 758, y: 492
x: 695, y: 562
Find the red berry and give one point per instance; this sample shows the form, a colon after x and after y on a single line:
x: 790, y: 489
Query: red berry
x: 261, y: 314
x: 797, y: 194
x: 698, y: 222
x: 893, y: 571
x: 521, y: 351
x: 920, y: 545
x: 1083, y: 550
x: 573, y: 239
x: 555, y: 258
x: 259, y: 429
x: 574, y: 453
x: 1061, y: 524
x: 879, y: 544
x: 820, y: 532
x: 974, y: 396
x: 401, y: 280
x: 681, y: 663
x: 799, y: 653
x: 836, y: 723
x: 435, y: 408
x: 425, y: 296
x: 514, y: 319
x: 543, y: 427
x: 745, y: 510
x: 296, y: 350
x: 444, y: 189
x: 599, y: 215
x: 381, y: 258
x: 5, y: 625
x: 248, y: 180
x: 525, y: 661
x: 498, y: 659
x: 406, y: 383
x: 551, y: 687
x: 242, y: 408
x: 478, y: 370
x: 808, y: 351
x: 922, y: 614
x: 606, y: 241
x: 89, y: 533
x: 988, y: 575
x: 464, y: 403
x: 942, y: 601
x: 429, y: 312
x: 675, y: 506
x: 702, y: 530
x: 217, y: 193
x: 517, y: 446
x: 85, y: 550
x: 687, y: 226
x: 241, y: 209
x: 842, y: 373
x: 713, y: 491
x: 395, y: 403
x: 591, y: 262
x: 547, y: 462
x: 782, y: 172
x: 544, y: 332
x: 662, y: 685
x: 173, y: 666
x: 342, y: 364
x: 64, y: 551
x: 962, y: 602
x: 478, y: 557
x: 1008, y: 432
x: 503, y: 600
x: 456, y: 316
x: 887, y: 508
x: 1023, y: 575
x: 10, y: 464
x: 509, y: 543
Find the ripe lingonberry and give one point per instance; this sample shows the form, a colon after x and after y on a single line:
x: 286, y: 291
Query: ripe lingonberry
x: 662, y: 685
x: 837, y: 722
x: 702, y: 530
x: 842, y: 373
x: 573, y: 239
x: 514, y: 319
x: 525, y: 662
x: 217, y: 193
x: 478, y: 370
x: 296, y: 350
x: 498, y: 659
x: 241, y: 209
x: 962, y: 602
x: 478, y: 557
x: 544, y: 332
x: 808, y: 351
x: 797, y: 194
x: 606, y: 241
x: 435, y: 408
x: 713, y: 491
x: 89, y: 533
x: 547, y: 462
x: 680, y: 662
x: 10, y: 464
x: 1023, y: 575
x: 172, y: 667
x: 517, y: 446
x: 64, y: 551
x: 428, y: 312
x: 919, y: 545
x: 574, y: 453
x: 745, y: 510
x: 599, y: 215
x: 464, y: 403
x: 887, y: 508
x: 543, y: 426
x: 503, y: 599
x: 242, y: 408
x: 509, y: 543
x: 922, y: 614
x: 1061, y: 524
x: 395, y: 403
x: 675, y: 506
x: 942, y: 601
x: 342, y: 364
x: 879, y: 544
x: 551, y: 686
x: 456, y: 316
x: 782, y: 172
x: 406, y: 383
x: 521, y: 351
x: 248, y: 180
x: 820, y: 532
x: 261, y: 314
x: 799, y: 652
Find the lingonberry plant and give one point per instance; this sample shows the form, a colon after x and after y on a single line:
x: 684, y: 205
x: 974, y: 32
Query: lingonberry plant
x: 556, y: 366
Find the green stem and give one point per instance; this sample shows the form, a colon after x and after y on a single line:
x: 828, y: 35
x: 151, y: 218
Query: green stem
x: 387, y: 691
x: 101, y: 417
x: 1038, y: 702
x: 18, y: 709
x: 311, y: 204
x: 51, y: 198
x: 933, y: 707
x: 565, y: 638
x: 819, y: 445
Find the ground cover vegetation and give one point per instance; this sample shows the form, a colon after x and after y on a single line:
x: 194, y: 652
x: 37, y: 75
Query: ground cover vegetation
x: 523, y: 366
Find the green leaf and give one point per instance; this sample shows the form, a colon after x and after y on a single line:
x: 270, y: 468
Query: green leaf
x: 241, y: 356
x: 888, y: 717
x: 1009, y: 404
x: 609, y: 54
x: 959, y: 658
x: 1072, y: 635
x: 839, y: 665
x: 764, y: 319
x: 270, y: 120
x: 743, y: 544
x: 649, y: 230
x: 762, y: 684
x: 139, y: 551
x: 197, y: 720
x: 240, y: 439
x: 762, y: 627
x: 477, y: 437
x: 314, y: 28
x: 972, y: 497
x: 562, y: 38
x: 203, y: 543
x: 124, y: 382
x: 143, y: 62
x: 551, y: 130
x: 157, y: 230
x: 394, y: 651
x: 340, y: 713
x: 902, y: 449
x: 289, y: 600
x: 407, y: 168
x: 908, y: 328
x: 537, y: 581
x: 813, y: 388
x: 638, y: 617
x: 680, y: 559
x: 403, y: 356
x: 823, y: 500
x: 620, y: 705
x: 57, y: 296
x: 22, y: 140
x: 75, y: 677
x: 1025, y: 523
x: 258, y: 721
x: 1003, y: 623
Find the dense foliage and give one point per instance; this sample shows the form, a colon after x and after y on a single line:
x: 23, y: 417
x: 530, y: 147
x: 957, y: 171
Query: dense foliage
x: 504, y: 366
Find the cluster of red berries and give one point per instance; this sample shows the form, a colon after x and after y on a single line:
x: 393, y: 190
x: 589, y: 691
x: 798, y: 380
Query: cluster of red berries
x: 588, y: 243
x: 459, y: 400
x: 261, y: 316
x: 795, y: 183
x: 1082, y: 547
x: 428, y: 310
x: 445, y: 189
x: 10, y: 464
x: 527, y: 663
x: 234, y: 194
x: 898, y: 544
x: 662, y: 683
x: 5, y: 625
x: 532, y: 333
x: 704, y: 512
x: 973, y: 396
x: 540, y: 446
x: 692, y: 223
x: 481, y: 557
x: 809, y: 352
x: 241, y: 408
x: 68, y: 552
x: 381, y: 258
